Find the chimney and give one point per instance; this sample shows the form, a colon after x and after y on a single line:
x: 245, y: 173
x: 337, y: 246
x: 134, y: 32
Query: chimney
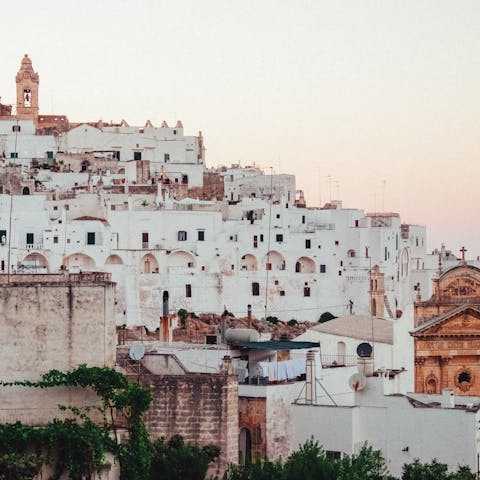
x: 310, y: 383
x: 448, y: 398
x: 226, y: 367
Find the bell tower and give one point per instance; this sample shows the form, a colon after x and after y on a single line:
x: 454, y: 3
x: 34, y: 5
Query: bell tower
x: 27, y: 91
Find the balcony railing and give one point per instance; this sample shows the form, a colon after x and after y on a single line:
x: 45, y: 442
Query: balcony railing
x: 332, y: 361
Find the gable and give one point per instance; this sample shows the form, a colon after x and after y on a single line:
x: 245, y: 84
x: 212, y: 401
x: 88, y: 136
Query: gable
x: 464, y: 322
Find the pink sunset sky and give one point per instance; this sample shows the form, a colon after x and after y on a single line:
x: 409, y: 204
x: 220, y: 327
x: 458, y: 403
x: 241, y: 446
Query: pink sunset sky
x: 372, y: 102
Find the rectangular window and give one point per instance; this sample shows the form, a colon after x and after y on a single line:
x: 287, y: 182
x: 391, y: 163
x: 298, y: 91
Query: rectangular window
x: 16, y: 128
x: 278, y: 215
x: 116, y: 155
x: 166, y: 157
x: 29, y: 238
x: 55, y: 239
x: 188, y: 290
x: 3, y: 237
x: 303, y: 219
x: 182, y: 236
x: 337, y: 242
x: 306, y: 291
x: 323, y: 268
x: 145, y: 240
x: 333, y: 455
x: 255, y: 289
x: 90, y: 238
x: 3, y: 265
x: 1, y: 188
x: 356, y: 223
x: 308, y: 243
x: 386, y: 253
x: 201, y: 235
x: 282, y: 293
x: 279, y: 237
x: 255, y: 241
x: 13, y: 154
x: 261, y: 237
x: 49, y: 154
x: 137, y: 155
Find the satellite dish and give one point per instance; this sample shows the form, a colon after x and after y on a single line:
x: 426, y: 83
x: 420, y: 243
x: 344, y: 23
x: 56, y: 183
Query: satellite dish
x: 364, y: 350
x: 357, y: 382
x: 137, y: 351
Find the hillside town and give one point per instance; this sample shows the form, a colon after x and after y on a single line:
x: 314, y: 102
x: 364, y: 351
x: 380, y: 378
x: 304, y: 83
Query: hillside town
x: 257, y: 321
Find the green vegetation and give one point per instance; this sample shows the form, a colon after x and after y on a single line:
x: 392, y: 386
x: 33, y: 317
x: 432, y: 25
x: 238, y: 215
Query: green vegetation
x: 77, y: 445
x: 272, y: 320
x: 292, y: 323
x: 326, y: 316
x: 176, y: 459
x: 310, y: 462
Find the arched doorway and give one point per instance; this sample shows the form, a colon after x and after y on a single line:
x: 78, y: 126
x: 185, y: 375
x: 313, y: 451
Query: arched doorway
x: 244, y: 446
x: 26, y: 191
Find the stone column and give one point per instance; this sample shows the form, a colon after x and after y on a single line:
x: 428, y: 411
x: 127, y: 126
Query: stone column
x: 419, y: 375
x: 444, y: 361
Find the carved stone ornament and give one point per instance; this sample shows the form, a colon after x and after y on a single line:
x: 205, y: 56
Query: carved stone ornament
x: 464, y: 379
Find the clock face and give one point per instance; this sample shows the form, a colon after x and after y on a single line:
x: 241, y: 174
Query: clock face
x: 27, y: 98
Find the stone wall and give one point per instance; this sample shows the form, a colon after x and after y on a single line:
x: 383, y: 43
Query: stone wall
x: 252, y: 414
x: 58, y: 323
x: 202, y: 408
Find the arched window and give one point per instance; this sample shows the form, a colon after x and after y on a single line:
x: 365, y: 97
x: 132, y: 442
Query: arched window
x: 244, y: 446
x: 26, y: 191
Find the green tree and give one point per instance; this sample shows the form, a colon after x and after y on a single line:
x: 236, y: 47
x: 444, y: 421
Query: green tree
x: 434, y: 471
x: 326, y: 316
x: 310, y: 462
x: 260, y: 470
x: 175, y: 460
x: 367, y: 465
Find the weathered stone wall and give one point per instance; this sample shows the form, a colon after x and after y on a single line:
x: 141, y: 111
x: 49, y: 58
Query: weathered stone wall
x: 203, y: 408
x: 252, y: 414
x: 57, y: 324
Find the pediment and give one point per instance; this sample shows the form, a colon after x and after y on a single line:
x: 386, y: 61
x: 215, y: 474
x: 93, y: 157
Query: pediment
x: 465, y: 286
x: 461, y: 321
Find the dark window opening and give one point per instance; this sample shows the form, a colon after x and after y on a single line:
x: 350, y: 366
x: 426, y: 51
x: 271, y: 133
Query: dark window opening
x: 29, y: 238
x: 182, y: 236
x: 308, y: 243
x: 323, y: 268
x: 188, y: 290
x: 201, y: 235
x: 279, y: 237
x: 255, y: 289
x: 306, y: 291
x: 137, y: 155
x: 91, y: 238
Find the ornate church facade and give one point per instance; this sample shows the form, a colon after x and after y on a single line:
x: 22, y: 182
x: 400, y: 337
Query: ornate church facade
x: 447, y: 334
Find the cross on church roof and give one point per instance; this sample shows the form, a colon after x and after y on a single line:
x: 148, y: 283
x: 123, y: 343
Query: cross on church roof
x: 462, y: 251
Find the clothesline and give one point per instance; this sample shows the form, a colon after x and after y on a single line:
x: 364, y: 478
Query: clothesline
x: 283, y: 370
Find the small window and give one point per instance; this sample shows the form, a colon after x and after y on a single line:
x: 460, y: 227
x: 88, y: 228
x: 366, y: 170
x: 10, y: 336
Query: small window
x: 15, y: 128
x: 282, y: 293
x: 255, y: 241
x: 255, y: 289
x: 67, y: 206
x: 333, y: 455
x: 278, y: 215
x: 201, y: 235
x: 1, y: 189
x: 308, y: 243
x: 49, y: 154
x: 3, y: 265
x: 356, y: 223
x: 55, y: 239
x: 323, y: 268
x: 306, y: 291
x: 337, y: 242
x: 13, y: 154
x: 29, y: 238
x: 303, y: 219
x: 261, y: 237
x: 3, y: 237
x: 188, y: 290
x: 182, y: 236
x: 90, y: 238
x: 339, y: 273
x: 55, y: 207
x: 279, y: 237
x: 145, y: 240
x: 166, y: 157
x: 137, y: 155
